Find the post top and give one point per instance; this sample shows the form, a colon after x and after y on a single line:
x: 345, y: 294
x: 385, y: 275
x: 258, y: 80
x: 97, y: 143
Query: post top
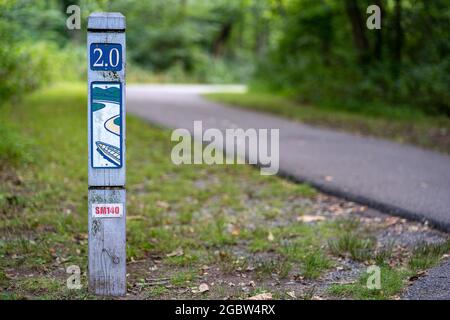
x: 106, y: 21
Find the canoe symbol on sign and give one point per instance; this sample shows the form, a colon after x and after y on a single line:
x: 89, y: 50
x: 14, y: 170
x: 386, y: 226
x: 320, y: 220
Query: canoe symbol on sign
x: 109, y: 152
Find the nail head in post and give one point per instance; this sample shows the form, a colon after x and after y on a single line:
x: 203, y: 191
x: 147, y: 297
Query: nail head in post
x: 106, y: 22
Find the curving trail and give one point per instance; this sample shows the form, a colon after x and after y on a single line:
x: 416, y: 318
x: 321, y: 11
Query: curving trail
x: 111, y: 136
x: 111, y: 126
x: 394, y: 178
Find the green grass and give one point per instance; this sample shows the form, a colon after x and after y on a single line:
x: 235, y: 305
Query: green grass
x: 427, y: 255
x: 43, y: 202
x: 359, y: 247
x: 228, y: 217
x: 156, y: 292
x: 392, y: 279
x: 14, y: 148
x: 183, y: 278
x: 43, y: 287
x: 392, y: 282
x: 280, y: 267
x: 315, y: 263
x: 399, y: 123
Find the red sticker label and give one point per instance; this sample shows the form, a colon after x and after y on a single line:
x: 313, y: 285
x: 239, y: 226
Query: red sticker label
x: 107, y: 210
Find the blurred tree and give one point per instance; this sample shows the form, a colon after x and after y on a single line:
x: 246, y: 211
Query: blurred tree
x: 326, y: 53
x: 358, y: 29
x: 316, y: 50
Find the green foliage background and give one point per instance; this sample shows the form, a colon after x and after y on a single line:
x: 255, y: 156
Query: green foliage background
x: 314, y: 51
x: 318, y: 57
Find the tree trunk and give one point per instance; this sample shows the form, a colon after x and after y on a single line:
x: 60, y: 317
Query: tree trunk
x: 358, y: 29
x: 398, y: 31
x: 219, y: 42
x: 378, y: 49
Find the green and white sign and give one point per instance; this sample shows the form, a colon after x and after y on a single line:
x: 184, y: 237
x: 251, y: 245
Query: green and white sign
x: 106, y: 125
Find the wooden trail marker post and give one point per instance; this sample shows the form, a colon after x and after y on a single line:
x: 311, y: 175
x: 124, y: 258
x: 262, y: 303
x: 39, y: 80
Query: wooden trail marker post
x: 106, y: 153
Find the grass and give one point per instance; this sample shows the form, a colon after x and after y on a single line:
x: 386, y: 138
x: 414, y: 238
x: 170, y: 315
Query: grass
x: 314, y: 263
x: 426, y: 255
x: 43, y: 204
x: 360, y: 248
x: 156, y: 292
x: 392, y: 282
x: 14, y: 148
x: 401, y: 124
x: 183, y: 278
x: 227, y: 217
x: 280, y: 267
x: 392, y: 279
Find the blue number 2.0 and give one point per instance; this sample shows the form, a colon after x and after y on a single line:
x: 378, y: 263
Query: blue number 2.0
x: 106, y: 56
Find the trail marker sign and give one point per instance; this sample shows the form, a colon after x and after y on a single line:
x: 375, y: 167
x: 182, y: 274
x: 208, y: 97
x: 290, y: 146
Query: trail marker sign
x: 106, y: 153
x: 106, y: 125
x: 105, y: 56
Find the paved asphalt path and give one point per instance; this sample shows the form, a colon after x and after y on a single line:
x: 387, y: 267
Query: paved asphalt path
x: 394, y: 178
x: 435, y: 285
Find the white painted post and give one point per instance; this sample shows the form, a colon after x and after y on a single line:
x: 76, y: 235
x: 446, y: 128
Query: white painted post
x: 106, y: 153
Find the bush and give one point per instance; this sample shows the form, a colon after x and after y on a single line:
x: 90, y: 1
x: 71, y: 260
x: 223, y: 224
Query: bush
x: 14, y: 149
x: 316, y: 59
x: 26, y: 66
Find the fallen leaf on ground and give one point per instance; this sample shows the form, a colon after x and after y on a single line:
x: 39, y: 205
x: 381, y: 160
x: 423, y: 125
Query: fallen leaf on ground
x: 298, y: 277
x: 309, y: 218
x: 261, y: 296
x: 391, y: 221
x: 203, y: 287
x: 178, y: 252
x: 419, y: 274
x: 232, y: 229
x: 162, y: 204
x: 291, y: 294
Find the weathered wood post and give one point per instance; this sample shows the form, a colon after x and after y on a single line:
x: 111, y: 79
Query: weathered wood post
x: 106, y: 153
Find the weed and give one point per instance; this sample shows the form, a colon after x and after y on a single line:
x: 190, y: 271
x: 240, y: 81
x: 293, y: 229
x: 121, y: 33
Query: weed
x: 278, y: 266
x: 392, y: 282
x: 314, y: 263
x: 426, y: 255
x: 354, y: 244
